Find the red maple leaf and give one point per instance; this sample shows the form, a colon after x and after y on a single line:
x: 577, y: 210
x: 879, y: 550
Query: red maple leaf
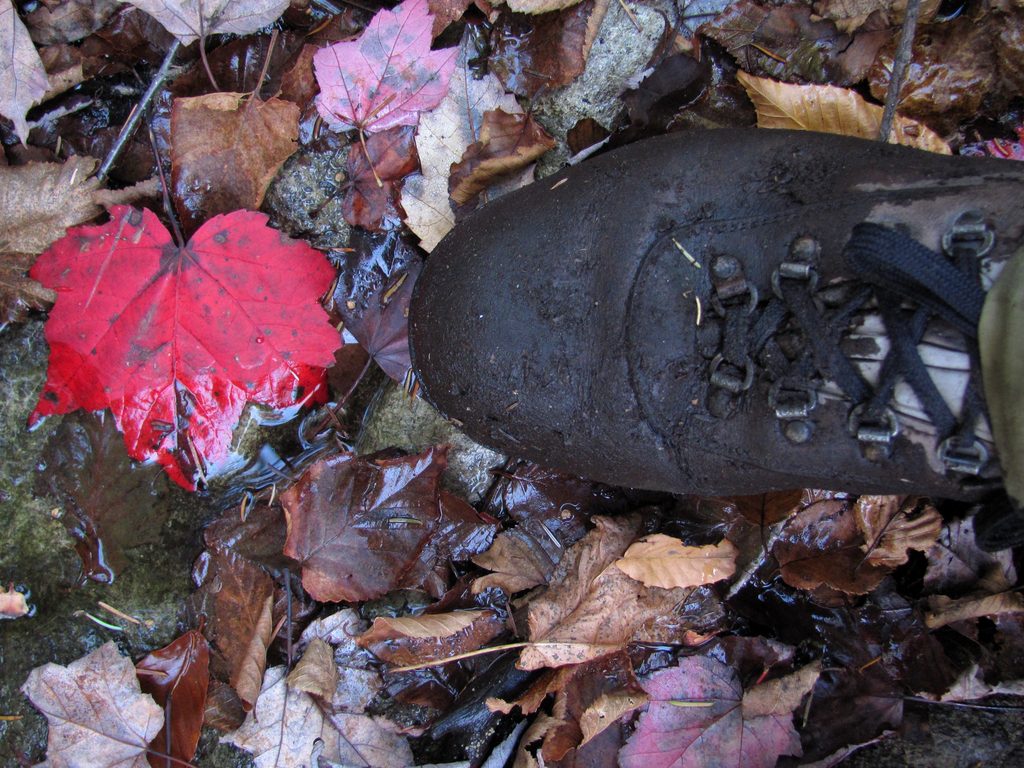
x: 174, y: 341
x: 386, y: 76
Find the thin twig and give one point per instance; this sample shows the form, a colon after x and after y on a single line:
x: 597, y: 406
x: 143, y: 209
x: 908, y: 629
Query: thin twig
x: 899, y: 68
x: 128, y: 129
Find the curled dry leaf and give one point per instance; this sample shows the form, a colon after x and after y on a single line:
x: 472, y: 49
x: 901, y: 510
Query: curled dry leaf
x: 892, y: 524
x: 507, y: 143
x: 385, y: 77
x: 177, y: 677
x: 699, y: 715
x: 415, y: 639
x: 226, y: 148
x: 316, y: 673
x: 97, y: 714
x: 189, y: 20
x: 664, y: 561
x: 22, y: 75
x: 945, y: 611
x: 827, y: 109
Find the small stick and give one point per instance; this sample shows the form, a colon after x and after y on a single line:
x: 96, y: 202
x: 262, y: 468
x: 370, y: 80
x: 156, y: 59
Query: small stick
x: 899, y: 68
x: 128, y: 129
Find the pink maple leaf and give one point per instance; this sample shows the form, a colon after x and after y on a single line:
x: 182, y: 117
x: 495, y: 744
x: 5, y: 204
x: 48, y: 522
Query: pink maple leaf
x: 175, y: 340
x: 386, y: 76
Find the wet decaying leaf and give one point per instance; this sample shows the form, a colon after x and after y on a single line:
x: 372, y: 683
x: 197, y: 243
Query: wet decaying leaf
x: 952, y: 70
x: 236, y: 598
x: 850, y: 14
x: 380, y: 321
x: 537, y: 53
x: 362, y: 527
x: 316, y: 673
x: 97, y: 714
x: 699, y: 714
x: 225, y: 150
x: 957, y: 565
x: 828, y: 109
x: 18, y: 294
x: 65, y: 21
x: 176, y: 677
x: 506, y: 143
x: 389, y: 157
x: 237, y: 306
x: 108, y: 505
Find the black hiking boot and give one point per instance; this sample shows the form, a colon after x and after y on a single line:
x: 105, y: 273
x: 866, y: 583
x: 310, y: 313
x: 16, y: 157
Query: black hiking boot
x: 729, y: 312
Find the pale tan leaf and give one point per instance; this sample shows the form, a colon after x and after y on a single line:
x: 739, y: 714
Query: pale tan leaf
x: 188, y: 19
x: 516, y: 561
x: 780, y: 696
x: 971, y: 685
x: 443, y: 134
x: 283, y: 725
x: 827, y: 109
x: 549, y: 681
x: 247, y: 674
x: 316, y: 673
x: 889, y: 531
x: 663, y: 561
x: 848, y: 15
x: 22, y: 75
x: 540, y: 6
x: 539, y: 728
x: 429, y: 626
x: 560, y: 654
x: 97, y: 713
x: 607, y: 710
x: 39, y: 201
x: 945, y: 610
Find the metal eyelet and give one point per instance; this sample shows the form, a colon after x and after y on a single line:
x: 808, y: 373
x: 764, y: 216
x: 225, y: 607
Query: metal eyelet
x: 792, y: 402
x: 878, y: 434
x: 968, y: 231
x: 748, y: 288
x: 794, y: 270
x: 966, y: 458
x: 729, y: 381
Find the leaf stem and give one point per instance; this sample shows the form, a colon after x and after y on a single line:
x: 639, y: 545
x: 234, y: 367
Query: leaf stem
x: 369, y: 160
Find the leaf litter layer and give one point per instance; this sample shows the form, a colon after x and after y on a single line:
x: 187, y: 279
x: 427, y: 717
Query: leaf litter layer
x: 789, y: 624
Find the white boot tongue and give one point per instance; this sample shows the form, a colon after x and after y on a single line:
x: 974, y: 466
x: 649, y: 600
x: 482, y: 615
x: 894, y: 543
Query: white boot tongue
x: 943, y: 352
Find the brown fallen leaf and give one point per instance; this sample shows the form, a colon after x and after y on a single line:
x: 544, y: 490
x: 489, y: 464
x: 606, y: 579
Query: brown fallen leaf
x: 850, y: 14
x: 540, y: 52
x: 316, y: 673
x: 891, y: 525
x: 517, y: 563
x: 177, y: 678
x: 19, y: 294
x: 827, y: 109
x: 664, y: 561
x: 108, y: 505
x: 952, y: 70
x: 552, y: 654
x: 66, y: 21
x: 539, y: 6
x: 97, y: 714
x: 445, y: 12
x: 364, y: 526
x: 943, y: 610
x: 607, y: 709
x: 22, y: 75
x: 373, y: 175
x: 823, y: 545
x: 237, y: 598
x: 415, y: 639
x: 225, y: 150
x: 507, y: 143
